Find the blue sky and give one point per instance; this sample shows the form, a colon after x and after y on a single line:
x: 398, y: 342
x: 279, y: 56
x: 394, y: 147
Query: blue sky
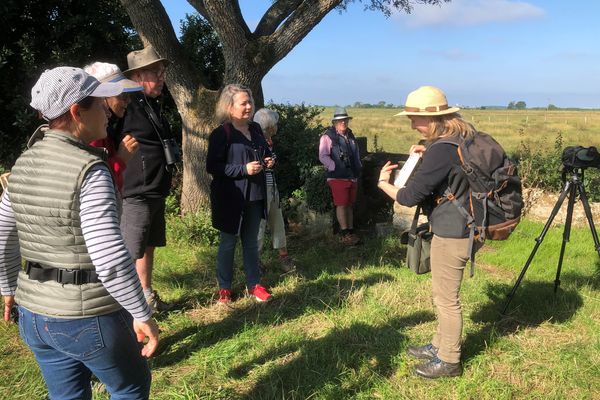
x: 480, y: 52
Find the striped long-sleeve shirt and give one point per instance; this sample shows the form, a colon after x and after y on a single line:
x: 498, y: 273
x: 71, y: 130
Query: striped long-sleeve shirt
x: 102, y: 235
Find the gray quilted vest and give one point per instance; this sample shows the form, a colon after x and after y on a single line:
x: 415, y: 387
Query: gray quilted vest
x: 44, y: 191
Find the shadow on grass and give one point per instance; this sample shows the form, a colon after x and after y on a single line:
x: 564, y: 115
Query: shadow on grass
x: 533, y: 304
x: 298, y: 370
x: 311, y: 295
x: 313, y: 258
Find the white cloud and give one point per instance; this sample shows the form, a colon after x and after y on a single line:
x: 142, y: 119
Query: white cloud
x: 469, y: 13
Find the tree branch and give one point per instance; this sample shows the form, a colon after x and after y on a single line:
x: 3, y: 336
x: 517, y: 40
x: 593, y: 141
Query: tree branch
x: 306, y: 16
x: 226, y: 19
x: 275, y: 15
x: 199, y: 6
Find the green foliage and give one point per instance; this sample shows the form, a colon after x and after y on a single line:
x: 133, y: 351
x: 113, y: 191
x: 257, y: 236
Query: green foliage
x: 296, y: 144
x: 192, y: 229
x: 543, y: 169
x: 318, y: 196
x: 41, y: 35
x: 518, y: 105
x: 201, y: 44
x: 539, y: 168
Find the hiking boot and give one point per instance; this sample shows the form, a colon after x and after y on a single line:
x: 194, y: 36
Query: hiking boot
x: 287, y: 264
x: 437, y: 368
x: 427, y: 352
x: 259, y: 293
x: 349, y: 239
x: 156, y: 304
x: 224, y: 296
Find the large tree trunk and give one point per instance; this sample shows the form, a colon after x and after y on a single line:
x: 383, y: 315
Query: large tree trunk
x: 197, y: 118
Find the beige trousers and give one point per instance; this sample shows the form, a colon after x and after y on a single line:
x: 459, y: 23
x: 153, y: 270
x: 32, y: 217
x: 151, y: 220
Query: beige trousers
x: 448, y: 259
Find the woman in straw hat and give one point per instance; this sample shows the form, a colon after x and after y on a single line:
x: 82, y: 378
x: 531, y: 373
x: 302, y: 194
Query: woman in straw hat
x: 119, y: 151
x: 81, y: 307
x: 430, y: 115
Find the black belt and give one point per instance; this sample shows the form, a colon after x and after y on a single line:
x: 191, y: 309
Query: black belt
x: 37, y: 272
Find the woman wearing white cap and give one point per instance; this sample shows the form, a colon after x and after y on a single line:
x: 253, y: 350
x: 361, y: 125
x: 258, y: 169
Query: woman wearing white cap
x: 119, y: 151
x: 430, y: 115
x: 81, y: 307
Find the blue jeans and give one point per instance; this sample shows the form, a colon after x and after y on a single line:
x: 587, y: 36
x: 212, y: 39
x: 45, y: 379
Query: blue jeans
x: 69, y: 351
x: 253, y: 213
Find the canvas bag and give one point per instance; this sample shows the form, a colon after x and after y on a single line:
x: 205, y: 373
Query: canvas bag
x: 418, y: 245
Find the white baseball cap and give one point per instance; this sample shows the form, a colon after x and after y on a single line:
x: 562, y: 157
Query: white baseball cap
x: 58, y: 89
x: 106, y: 72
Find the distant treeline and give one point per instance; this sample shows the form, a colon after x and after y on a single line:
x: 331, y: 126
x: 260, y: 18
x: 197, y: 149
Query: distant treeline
x: 513, y: 105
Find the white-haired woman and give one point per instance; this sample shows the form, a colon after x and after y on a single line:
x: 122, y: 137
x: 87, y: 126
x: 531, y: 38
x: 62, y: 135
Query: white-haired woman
x: 81, y: 306
x: 430, y: 115
x: 236, y: 158
x: 119, y: 150
x: 268, y: 119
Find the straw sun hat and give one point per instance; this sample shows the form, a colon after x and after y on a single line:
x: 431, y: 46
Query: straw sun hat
x: 428, y: 101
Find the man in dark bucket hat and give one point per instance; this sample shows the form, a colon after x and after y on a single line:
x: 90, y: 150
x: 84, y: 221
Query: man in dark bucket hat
x: 339, y: 154
x: 147, y: 179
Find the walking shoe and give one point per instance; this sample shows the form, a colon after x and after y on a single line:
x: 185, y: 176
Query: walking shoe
x: 224, y: 296
x: 428, y: 351
x: 156, y: 304
x: 260, y: 293
x: 437, y: 368
x: 349, y: 239
x: 287, y: 264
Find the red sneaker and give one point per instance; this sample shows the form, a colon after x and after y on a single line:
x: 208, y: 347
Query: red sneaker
x: 260, y: 293
x: 224, y: 296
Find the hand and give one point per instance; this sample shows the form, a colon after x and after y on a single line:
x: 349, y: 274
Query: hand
x: 9, y: 302
x: 146, y: 329
x: 127, y: 148
x: 386, y: 171
x: 253, y: 168
x: 269, y: 162
x: 417, y: 148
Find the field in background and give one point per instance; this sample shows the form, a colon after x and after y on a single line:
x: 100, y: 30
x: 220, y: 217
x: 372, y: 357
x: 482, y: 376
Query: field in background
x: 539, y: 128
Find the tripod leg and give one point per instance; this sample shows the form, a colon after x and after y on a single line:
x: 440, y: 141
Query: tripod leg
x: 588, y: 214
x: 566, y: 234
x: 538, y: 241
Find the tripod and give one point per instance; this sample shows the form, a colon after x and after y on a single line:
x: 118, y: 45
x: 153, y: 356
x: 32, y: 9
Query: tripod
x: 572, y: 187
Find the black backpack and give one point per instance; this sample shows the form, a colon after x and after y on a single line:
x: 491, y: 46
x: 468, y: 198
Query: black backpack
x: 495, y: 192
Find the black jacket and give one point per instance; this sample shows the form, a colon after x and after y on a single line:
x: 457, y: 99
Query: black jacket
x: 226, y: 161
x: 146, y: 174
x: 440, y: 169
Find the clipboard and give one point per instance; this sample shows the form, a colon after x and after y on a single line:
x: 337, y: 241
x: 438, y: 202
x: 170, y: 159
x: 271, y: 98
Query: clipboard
x: 407, y: 170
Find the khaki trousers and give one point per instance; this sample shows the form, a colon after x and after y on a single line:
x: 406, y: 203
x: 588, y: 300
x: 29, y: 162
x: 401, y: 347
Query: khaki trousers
x: 448, y: 259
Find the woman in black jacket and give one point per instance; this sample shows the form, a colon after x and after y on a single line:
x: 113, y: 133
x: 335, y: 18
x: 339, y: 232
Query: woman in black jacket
x: 237, y: 155
x: 440, y: 171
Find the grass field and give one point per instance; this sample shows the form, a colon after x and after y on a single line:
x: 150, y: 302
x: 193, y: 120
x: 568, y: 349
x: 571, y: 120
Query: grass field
x: 539, y: 128
x: 339, y: 330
